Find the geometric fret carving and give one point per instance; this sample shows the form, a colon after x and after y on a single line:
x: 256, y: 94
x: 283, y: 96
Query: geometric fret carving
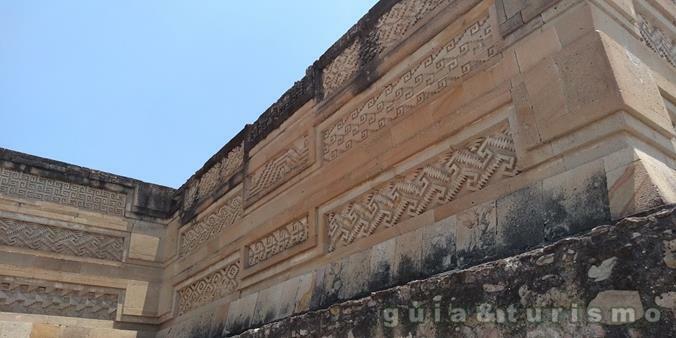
x: 657, y: 40
x: 392, y: 26
x: 342, y: 68
x: 18, y: 184
x: 208, y: 289
x: 442, y: 68
x: 28, y: 235
x: 208, y: 228
x: 389, y: 30
x: 220, y: 172
x: 278, y: 170
x: 40, y: 297
x: 277, y: 242
x: 436, y: 182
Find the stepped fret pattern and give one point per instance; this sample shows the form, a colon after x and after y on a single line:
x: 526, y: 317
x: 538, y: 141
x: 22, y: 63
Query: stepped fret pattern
x: 427, y: 78
x: 208, y: 228
x: 342, y: 68
x: 220, y: 172
x: 435, y: 183
x: 208, y: 289
x: 58, y: 299
x: 277, y: 242
x: 278, y: 170
x: 28, y: 235
x: 657, y: 40
x: 22, y: 185
x: 390, y: 28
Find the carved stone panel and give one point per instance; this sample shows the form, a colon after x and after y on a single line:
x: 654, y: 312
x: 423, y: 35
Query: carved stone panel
x: 442, y: 68
x: 198, y: 232
x: 40, y: 297
x: 34, y: 236
x: 209, y: 288
x: 657, y: 39
x: 22, y: 185
x: 342, y: 68
x: 277, y: 242
x: 220, y: 172
x: 278, y: 170
x: 431, y: 184
x: 390, y: 29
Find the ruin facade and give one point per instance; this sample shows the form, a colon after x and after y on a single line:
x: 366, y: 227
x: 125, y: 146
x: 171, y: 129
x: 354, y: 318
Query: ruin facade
x: 441, y: 151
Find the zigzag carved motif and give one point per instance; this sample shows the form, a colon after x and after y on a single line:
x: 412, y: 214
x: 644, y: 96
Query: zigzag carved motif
x: 390, y: 29
x: 220, y: 172
x: 278, y: 170
x: 210, y: 288
x: 277, y: 242
x: 417, y: 86
x: 437, y: 182
x: 211, y: 226
x: 28, y: 235
x: 32, y: 296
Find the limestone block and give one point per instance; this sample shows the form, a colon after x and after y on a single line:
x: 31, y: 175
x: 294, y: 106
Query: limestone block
x: 438, y: 245
x: 640, y: 185
x: 328, y: 284
x: 15, y: 330
x: 408, y: 257
x: 240, y: 314
x: 520, y: 220
x: 144, y: 247
x: 267, y: 306
x: 304, y: 294
x: 382, y: 264
x: 536, y: 46
x: 275, y: 302
x: 637, y: 85
x: 476, y: 234
x: 137, y: 296
x: 44, y: 330
x: 575, y: 201
x: 354, y: 275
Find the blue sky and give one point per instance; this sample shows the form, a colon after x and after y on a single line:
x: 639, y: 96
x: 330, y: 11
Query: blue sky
x: 151, y: 89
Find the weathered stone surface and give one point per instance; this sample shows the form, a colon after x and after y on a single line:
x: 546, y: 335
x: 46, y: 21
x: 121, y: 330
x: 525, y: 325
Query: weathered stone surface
x: 520, y: 283
x: 436, y: 135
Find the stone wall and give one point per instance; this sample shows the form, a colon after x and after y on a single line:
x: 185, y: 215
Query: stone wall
x: 616, y: 281
x: 434, y: 136
x: 82, y: 250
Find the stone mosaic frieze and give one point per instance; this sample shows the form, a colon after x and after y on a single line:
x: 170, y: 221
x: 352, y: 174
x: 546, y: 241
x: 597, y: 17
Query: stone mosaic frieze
x: 279, y: 241
x: 657, y: 39
x: 443, y: 68
x: 201, y: 231
x: 209, y: 288
x: 389, y: 29
x: 28, y: 235
x: 278, y: 170
x: 434, y: 183
x: 23, y: 185
x: 33, y: 296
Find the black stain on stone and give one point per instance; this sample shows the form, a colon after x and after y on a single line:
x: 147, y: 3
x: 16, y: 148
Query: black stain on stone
x: 440, y: 258
x: 327, y: 287
x: 407, y: 270
x: 380, y: 277
x: 482, y: 250
x: 521, y: 222
x: 577, y: 207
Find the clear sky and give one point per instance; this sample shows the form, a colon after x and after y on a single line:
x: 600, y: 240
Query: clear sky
x: 151, y: 89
